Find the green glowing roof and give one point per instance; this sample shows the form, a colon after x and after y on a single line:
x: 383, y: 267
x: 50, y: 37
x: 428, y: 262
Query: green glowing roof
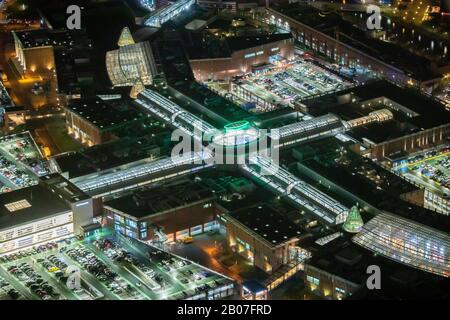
x: 238, y: 125
x: 354, y: 222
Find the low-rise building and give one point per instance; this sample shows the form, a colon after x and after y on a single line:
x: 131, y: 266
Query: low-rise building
x: 224, y: 59
x: 93, y: 121
x: 54, y: 209
x: 419, y: 122
x: 164, y: 213
x: 261, y: 235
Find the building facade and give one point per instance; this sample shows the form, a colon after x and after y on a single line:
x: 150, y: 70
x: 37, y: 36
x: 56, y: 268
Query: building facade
x: 240, y: 61
x: 84, y: 130
x: 255, y: 245
x: 52, y: 210
x: 343, y: 53
x: 328, y: 285
x: 164, y: 214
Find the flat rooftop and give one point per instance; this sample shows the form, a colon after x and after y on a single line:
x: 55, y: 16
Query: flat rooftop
x: 104, y: 114
x: 156, y: 199
x: 426, y: 112
x: 29, y: 204
x: 267, y: 223
x: 64, y: 188
x: 74, y: 69
x: 204, y: 45
x: 56, y: 38
x: 246, y: 42
x: 107, y: 155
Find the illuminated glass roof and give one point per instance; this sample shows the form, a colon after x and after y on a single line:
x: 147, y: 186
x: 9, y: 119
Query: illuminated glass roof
x: 237, y: 133
x: 407, y: 242
x: 297, y: 190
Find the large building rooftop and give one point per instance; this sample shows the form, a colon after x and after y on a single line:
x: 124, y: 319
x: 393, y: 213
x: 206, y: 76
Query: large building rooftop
x: 333, y: 25
x: 246, y: 42
x: 104, y: 114
x: 412, y: 111
x: 157, y: 199
x: 106, y: 156
x: 29, y: 204
x: 56, y: 38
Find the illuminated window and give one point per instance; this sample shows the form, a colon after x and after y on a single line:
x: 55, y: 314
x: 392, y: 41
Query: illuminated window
x: 131, y: 223
x: 313, y: 280
x: 339, y: 290
x: 18, y: 205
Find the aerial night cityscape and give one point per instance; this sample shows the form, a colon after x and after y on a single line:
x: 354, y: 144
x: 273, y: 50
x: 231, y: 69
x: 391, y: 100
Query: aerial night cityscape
x: 231, y: 150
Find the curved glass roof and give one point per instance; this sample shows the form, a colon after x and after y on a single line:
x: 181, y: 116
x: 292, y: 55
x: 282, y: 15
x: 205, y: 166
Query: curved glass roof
x: 407, y: 242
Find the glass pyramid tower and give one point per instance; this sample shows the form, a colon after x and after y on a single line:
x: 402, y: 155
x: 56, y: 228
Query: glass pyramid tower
x: 126, y: 38
x: 354, y: 222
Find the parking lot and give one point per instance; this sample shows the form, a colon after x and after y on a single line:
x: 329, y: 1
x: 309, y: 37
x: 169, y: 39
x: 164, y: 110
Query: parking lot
x: 110, y: 267
x: 431, y: 169
x: 444, y: 96
x: 20, y: 162
x: 7, y: 291
x: 295, y: 82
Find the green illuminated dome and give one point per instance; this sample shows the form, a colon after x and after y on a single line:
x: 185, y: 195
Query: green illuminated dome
x: 237, y: 134
x: 354, y: 222
x: 238, y: 125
